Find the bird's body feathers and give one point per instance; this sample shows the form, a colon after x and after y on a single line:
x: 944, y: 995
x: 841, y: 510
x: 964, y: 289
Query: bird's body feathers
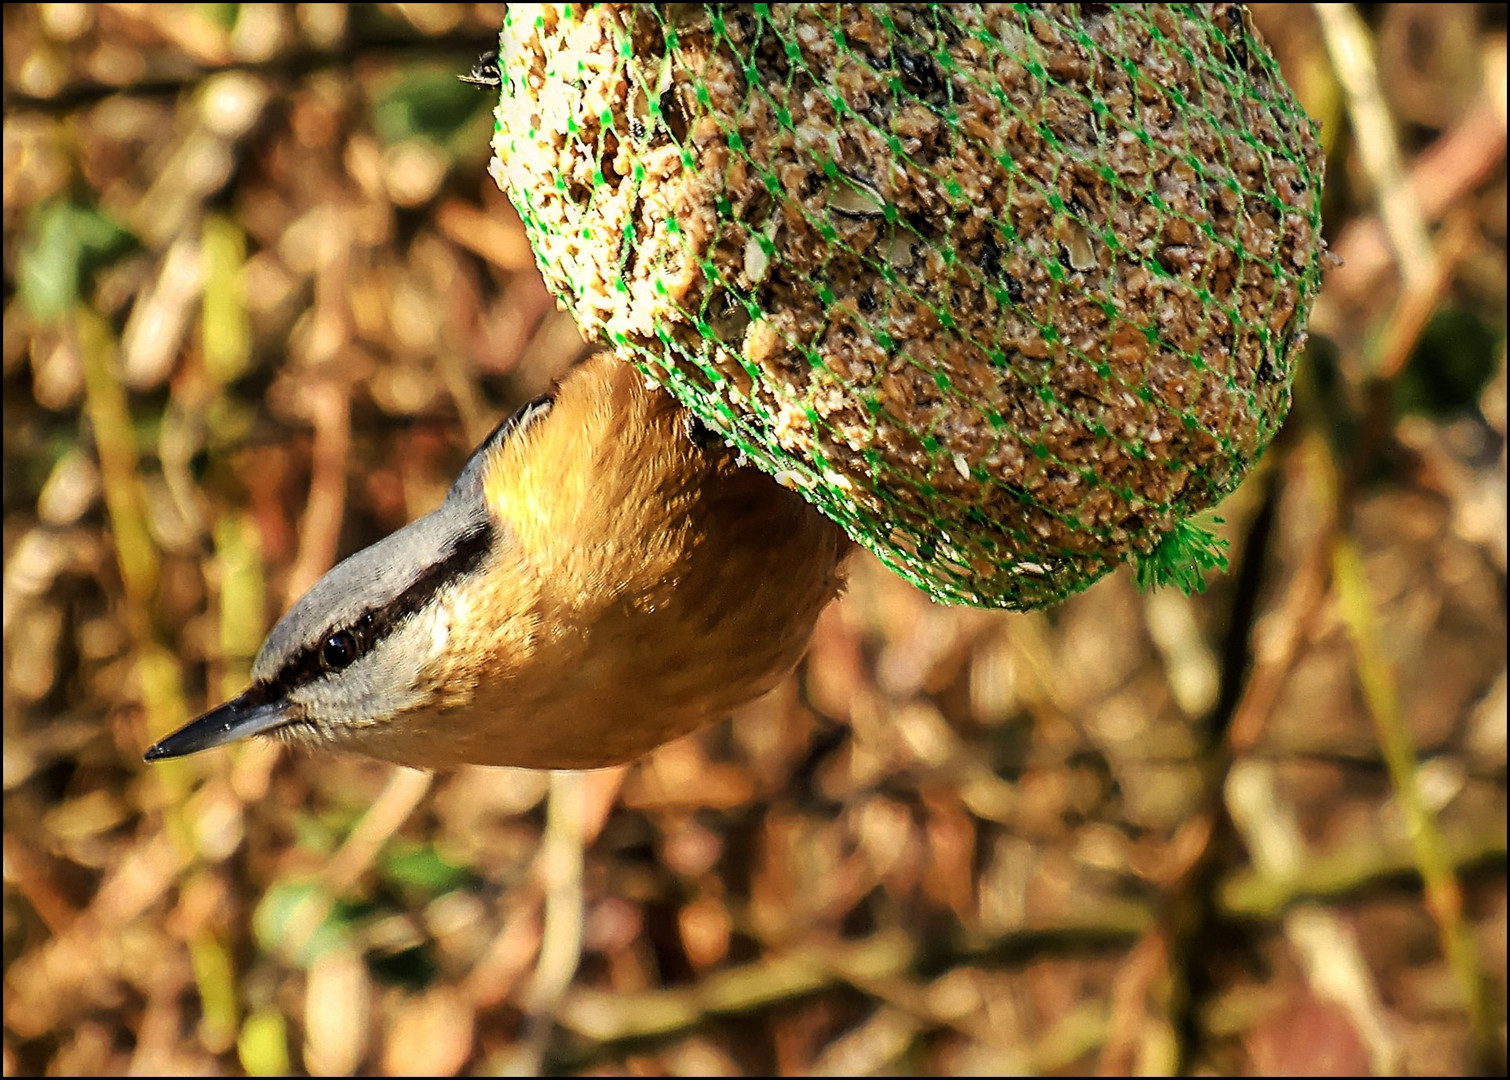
x: 594, y: 585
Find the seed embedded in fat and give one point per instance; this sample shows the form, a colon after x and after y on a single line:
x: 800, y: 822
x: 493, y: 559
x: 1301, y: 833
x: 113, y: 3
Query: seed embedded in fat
x: 757, y: 262
x: 854, y: 198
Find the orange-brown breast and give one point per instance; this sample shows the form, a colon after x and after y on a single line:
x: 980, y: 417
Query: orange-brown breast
x: 647, y: 587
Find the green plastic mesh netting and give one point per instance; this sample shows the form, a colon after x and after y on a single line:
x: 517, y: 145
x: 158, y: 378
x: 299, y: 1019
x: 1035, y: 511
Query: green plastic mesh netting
x: 1009, y: 291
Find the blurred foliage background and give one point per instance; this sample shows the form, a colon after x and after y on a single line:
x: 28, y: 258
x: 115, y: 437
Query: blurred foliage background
x: 260, y: 300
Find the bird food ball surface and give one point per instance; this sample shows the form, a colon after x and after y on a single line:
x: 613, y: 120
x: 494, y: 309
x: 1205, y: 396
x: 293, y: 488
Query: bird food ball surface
x: 1008, y: 292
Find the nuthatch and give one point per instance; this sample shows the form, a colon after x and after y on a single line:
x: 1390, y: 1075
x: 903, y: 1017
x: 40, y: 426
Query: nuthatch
x: 594, y: 584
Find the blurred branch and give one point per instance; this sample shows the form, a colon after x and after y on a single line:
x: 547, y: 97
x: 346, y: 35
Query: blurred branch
x: 1145, y: 964
x: 360, y: 849
x: 577, y: 807
x: 293, y: 63
x: 560, y: 865
x: 215, y: 975
x: 1397, y: 340
x: 1328, y: 948
x: 488, y: 236
x: 803, y: 970
x: 1444, y: 898
x: 1447, y: 170
x: 1257, y: 658
x: 1250, y: 894
x: 110, y: 417
x: 882, y: 961
x: 328, y: 407
x: 1352, y: 51
x: 28, y: 872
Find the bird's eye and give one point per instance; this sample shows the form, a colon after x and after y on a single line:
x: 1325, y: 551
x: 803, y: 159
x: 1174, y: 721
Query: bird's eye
x: 339, y: 650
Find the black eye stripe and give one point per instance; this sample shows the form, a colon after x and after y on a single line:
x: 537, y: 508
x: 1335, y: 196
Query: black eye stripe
x: 376, y: 623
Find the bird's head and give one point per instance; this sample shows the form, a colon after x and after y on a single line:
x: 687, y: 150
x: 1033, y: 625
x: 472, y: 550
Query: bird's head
x: 371, y: 641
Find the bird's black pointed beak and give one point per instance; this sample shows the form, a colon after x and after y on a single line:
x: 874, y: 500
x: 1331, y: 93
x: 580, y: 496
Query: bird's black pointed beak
x: 253, y: 713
